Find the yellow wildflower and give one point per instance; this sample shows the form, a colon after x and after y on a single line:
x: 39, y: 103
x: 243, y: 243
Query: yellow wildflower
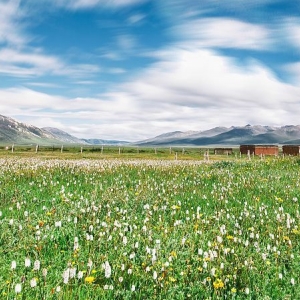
x: 89, y: 279
x: 173, y: 253
x: 218, y: 284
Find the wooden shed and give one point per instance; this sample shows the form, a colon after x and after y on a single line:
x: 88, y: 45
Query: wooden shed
x: 259, y: 149
x: 291, y: 150
x: 224, y: 151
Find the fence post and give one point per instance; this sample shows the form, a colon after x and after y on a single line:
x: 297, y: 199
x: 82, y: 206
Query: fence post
x: 81, y: 149
x: 175, y: 155
x: 248, y: 153
x: 36, y: 148
x: 102, y: 150
x: 62, y: 149
x: 12, y: 148
x: 155, y: 151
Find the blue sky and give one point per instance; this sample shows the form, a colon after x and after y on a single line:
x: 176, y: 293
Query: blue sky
x: 133, y: 69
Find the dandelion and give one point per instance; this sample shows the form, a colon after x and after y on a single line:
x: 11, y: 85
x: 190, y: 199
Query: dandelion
x: 107, y: 268
x: 44, y: 272
x: 90, y: 263
x: 72, y: 272
x: 58, y: 289
x: 58, y: 224
x: 89, y: 279
x: 280, y: 276
x: 76, y: 244
x: 33, y: 282
x: 120, y: 279
x: 292, y: 281
x: 66, y: 276
x: 13, y: 265
x: 80, y: 275
x: 36, y: 265
x: 27, y: 262
x: 133, y: 288
x: 247, y: 291
x: 154, y: 275
x: 18, y: 288
x: 218, y: 284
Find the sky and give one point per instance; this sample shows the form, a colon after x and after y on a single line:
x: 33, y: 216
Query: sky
x: 134, y: 69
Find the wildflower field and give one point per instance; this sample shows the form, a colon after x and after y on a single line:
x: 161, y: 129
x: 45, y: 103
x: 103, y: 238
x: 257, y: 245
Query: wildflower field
x: 149, y: 229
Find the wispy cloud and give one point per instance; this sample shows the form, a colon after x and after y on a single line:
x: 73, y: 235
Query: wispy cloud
x: 136, y: 18
x: 193, y: 89
x: 225, y: 33
x: 291, y: 30
x: 82, y: 4
x: 11, y: 31
x: 24, y: 63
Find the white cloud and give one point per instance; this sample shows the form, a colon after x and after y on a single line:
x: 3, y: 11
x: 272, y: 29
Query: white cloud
x: 291, y: 31
x: 225, y: 33
x: 82, y: 4
x: 192, y: 90
x: 136, y: 18
x: 10, y: 23
x: 35, y: 63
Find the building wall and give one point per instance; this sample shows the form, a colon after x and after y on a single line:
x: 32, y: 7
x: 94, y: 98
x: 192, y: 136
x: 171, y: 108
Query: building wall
x: 259, y: 149
x: 244, y: 149
x: 291, y: 149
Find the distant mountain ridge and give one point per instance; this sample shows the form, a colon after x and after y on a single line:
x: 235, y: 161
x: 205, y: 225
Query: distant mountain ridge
x: 63, y: 136
x: 235, y: 135
x: 14, y: 132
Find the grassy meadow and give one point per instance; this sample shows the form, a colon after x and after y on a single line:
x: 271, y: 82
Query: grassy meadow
x: 120, y: 228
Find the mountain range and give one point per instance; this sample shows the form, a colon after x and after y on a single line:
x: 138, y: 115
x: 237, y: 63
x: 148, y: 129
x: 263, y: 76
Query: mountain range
x: 12, y: 131
x: 234, y: 135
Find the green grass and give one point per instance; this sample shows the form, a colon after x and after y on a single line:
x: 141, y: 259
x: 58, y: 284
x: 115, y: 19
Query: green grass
x: 108, y: 152
x: 164, y: 229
